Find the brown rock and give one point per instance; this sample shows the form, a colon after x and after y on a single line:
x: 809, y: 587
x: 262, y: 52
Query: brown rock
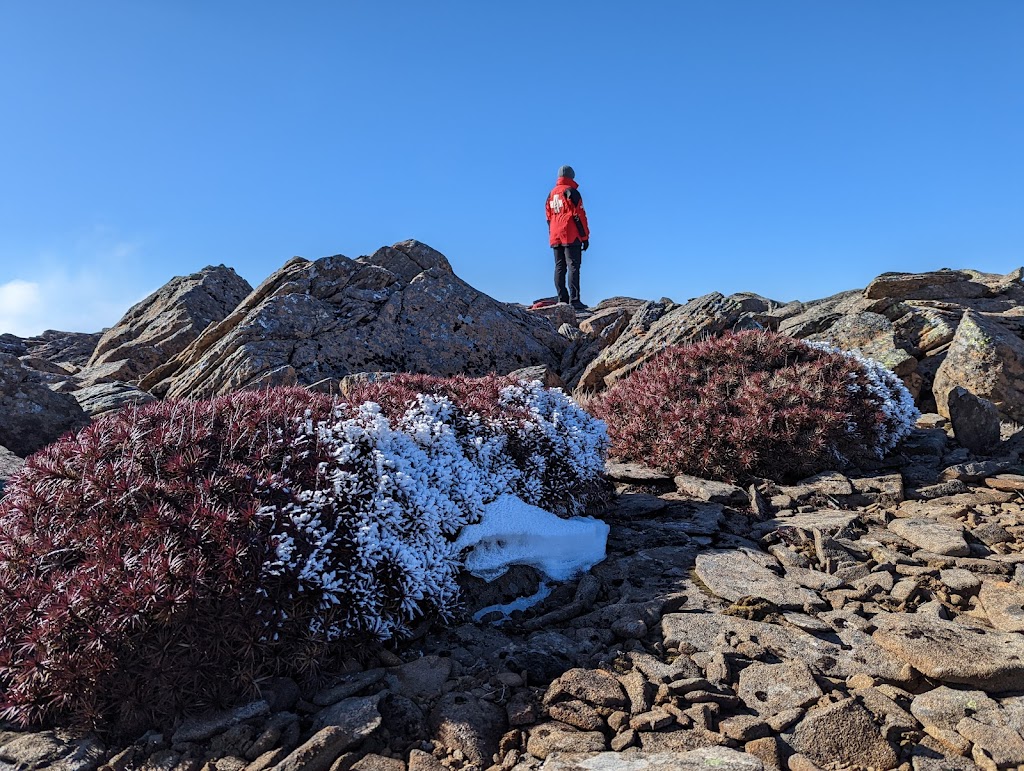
x: 474, y: 726
x: 936, y: 285
x: 710, y: 490
x: 31, y: 415
x: 657, y: 325
x: 1004, y: 605
x: 975, y: 421
x: 400, y: 309
x: 987, y: 360
x: 1008, y: 482
x: 842, y: 734
x: 577, y: 714
x: 593, y: 686
x: 769, y: 689
x: 875, y: 337
x: 554, y: 737
x: 163, y: 324
x: 954, y: 653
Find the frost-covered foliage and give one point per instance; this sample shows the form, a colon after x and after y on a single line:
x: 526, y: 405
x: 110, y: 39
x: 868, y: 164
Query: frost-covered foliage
x: 171, y: 555
x: 899, y: 413
x: 756, y: 404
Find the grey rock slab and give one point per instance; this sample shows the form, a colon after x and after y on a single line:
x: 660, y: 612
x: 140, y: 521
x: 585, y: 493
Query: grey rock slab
x: 719, y: 758
x: 769, y: 689
x: 51, y: 750
x: 732, y: 575
x: 829, y: 521
x: 102, y: 398
x: 423, y: 677
x: 713, y: 632
x: 1003, y: 744
x: 710, y: 490
x: 31, y: 414
x: 201, y: 727
x: 347, y: 685
x: 637, y: 473
x: 932, y: 536
x: 359, y: 715
x: 320, y: 751
x: 960, y: 581
x: 1004, y: 605
x: 842, y: 734
x: 462, y: 722
x: 954, y: 653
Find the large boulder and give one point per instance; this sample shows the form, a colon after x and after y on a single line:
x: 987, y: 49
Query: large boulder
x: 163, y: 324
x: 936, y: 285
x: 401, y: 309
x: 874, y: 336
x: 986, y: 359
x: 656, y: 325
x: 32, y: 415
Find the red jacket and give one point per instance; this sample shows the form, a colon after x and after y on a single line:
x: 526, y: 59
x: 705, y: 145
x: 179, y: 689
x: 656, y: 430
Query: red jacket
x: 563, y: 205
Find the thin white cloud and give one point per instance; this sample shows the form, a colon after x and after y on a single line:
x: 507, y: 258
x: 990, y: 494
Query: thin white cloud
x: 84, y: 288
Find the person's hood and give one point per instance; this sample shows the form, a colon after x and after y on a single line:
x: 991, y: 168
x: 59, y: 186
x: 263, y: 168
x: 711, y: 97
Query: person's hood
x: 566, y: 181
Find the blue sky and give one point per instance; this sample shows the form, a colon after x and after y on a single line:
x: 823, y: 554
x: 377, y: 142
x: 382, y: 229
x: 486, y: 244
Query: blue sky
x: 794, y: 148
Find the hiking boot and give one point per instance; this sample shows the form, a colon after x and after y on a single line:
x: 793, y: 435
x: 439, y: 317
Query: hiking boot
x: 578, y: 306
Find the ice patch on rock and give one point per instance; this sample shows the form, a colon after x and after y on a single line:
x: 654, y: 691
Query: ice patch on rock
x: 520, y: 603
x: 514, y: 532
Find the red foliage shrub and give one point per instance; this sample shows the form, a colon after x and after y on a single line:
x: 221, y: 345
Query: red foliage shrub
x: 751, y: 404
x: 170, y: 556
x: 130, y: 556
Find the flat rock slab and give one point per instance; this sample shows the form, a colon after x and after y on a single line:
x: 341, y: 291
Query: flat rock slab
x: 952, y: 653
x: 829, y: 522
x: 712, y: 632
x: 1007, y: 482
x: 719, y: 758
x: 769, y: 689
x: 844, y: 735
x: 635, y: 472
x: 732, y: 574
x: 710, y: 490
x: 1004, y: 605
x: 932, y: 536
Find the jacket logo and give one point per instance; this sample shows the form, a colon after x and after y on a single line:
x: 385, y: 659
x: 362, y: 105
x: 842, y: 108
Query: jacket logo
x: 556, y: 204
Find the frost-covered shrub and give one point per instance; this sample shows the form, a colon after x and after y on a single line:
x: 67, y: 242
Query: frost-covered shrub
x: 755, y: 404
x: 171, y: 555
x: 553, y: 450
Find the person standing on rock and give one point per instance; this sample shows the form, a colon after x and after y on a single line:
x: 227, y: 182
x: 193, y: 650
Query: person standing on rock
x: 569, y: 235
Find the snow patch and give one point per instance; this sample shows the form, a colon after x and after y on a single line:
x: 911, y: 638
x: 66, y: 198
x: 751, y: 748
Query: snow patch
x: 514, y: 532
x: 520, y: 603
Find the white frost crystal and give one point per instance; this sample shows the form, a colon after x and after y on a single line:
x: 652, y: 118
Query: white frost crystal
x: 888, y: 391
x: 375, y: 540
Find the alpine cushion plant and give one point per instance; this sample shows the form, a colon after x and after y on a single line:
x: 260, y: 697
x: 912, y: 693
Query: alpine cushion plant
x: 170, y: 556
x: 756, y: 404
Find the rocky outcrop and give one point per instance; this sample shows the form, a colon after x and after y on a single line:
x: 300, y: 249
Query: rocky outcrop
x: 70, y: 350
x: 656, y: 325
x: 32, y: 415
x: 400, y: 309
x: 101, y: 398
x: 163, y: 324
x: 986, y: 359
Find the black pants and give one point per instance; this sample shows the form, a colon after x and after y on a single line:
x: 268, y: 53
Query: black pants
x: 570, y: 257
